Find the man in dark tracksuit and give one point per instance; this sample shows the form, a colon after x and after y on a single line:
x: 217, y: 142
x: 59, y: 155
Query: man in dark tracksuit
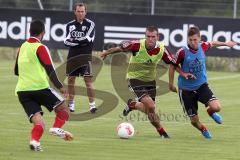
x: 80, y: 37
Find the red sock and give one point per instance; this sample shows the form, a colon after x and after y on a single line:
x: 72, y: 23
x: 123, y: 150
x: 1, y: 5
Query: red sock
x: 210, y: 112
x: 61, y: 118
x: 37, y: 132
x: 161, y: 131
x: 202, y: 128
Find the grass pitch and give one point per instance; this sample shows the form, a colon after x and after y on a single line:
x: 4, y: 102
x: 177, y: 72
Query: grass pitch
x: 96, y: 138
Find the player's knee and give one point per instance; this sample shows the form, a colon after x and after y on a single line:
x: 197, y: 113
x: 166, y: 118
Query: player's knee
x: 218, y: 108
x: 71, y: 80
x: 89, y: 84
x: 149, y: 103
x: 37, y: 118
x: 150, y: 107
x: 215, y: 106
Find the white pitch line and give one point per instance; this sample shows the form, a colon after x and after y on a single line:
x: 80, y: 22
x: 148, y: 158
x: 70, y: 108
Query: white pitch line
x: 224, y: 77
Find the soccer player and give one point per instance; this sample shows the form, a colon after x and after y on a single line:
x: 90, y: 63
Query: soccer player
x: 195, y: 89
x: 80, y: 37
x: 33, y: 66
x: 141, y: 74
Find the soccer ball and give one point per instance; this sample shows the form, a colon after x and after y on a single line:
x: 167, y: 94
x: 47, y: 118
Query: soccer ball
x: 125, y: 130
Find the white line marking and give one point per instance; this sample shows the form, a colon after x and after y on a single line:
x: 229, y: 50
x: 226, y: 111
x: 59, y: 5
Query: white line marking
x: 223, y: 77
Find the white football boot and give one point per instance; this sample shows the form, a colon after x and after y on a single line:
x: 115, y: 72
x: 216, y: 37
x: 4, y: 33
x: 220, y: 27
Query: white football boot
x: 67, y: 136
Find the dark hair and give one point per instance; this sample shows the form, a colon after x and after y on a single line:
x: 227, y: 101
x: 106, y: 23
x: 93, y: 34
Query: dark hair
x: 36, y: 27
x: 152, y: 29
x: 80, y: 5
x: 193, y: 30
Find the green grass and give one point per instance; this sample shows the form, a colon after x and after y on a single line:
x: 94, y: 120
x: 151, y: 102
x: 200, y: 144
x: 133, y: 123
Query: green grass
x: 96, y: 138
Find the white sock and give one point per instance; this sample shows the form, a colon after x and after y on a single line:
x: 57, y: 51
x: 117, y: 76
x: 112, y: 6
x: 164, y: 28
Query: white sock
x: 71, y: 103
x: 92, y: 104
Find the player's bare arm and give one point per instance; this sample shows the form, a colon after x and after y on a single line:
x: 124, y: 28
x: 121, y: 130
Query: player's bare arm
x: 184, y: 74
x: 105, y: 53
x: 171, y: 72
x: 64, y: 92
x: 218, y: 44
x: 171, y: 79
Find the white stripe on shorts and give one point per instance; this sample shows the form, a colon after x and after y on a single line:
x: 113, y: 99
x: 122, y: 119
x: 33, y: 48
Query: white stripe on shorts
x: 132, y: 90
x: 61, y: 99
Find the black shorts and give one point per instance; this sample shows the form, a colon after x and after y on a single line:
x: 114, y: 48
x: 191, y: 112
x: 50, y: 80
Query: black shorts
x: 141, y: 88
x: 80, y: 70
x: 189, y: 99
x: 79, y: 61
x: 32, y: 100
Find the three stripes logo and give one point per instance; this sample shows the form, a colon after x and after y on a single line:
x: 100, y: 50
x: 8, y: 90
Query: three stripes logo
x: 117, y: 34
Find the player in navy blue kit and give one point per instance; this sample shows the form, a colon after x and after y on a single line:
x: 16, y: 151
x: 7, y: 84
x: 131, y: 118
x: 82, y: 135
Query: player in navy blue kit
x: 195, y: 89
x: 80, y: 37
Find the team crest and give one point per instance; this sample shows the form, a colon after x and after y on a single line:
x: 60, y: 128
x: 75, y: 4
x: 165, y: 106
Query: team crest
x: 71, y: 28
x: 84, y: 28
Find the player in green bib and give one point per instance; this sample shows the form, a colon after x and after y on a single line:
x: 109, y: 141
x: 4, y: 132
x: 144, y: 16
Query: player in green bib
x: 33, y: 67
x: 141, y: 73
